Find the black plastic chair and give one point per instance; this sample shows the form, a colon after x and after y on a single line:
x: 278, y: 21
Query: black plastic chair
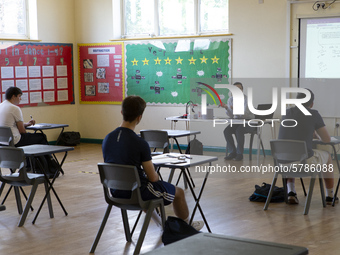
x: 6, y: 136
x: 286, y: 152
x: 252, y: 134
x: 14, y: 159
x: 125, y: 177
x: 6, y: 139
x: 159, y: 139
x: 255, y: 132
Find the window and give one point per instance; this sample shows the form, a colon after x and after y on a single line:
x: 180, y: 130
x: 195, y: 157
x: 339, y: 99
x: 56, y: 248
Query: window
x: 13, y: 19
x: 176, y: 17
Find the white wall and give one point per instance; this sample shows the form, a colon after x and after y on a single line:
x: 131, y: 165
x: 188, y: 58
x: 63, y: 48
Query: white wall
x: 259, y: 50
x: 56, y: 25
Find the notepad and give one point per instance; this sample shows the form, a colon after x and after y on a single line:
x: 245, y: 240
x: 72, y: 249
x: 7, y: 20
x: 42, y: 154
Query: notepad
x: 164, y: 159
x: 333, y: 139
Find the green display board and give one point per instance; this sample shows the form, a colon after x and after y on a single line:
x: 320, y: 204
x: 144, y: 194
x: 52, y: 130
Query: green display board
x: 172, y: 72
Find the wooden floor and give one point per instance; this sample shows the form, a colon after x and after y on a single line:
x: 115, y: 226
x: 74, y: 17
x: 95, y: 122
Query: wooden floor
x: 225, y: 203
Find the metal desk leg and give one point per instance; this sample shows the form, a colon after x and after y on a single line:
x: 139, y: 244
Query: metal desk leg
x: 197, y: 199
x: 58, y: 139
x: 50, y: 187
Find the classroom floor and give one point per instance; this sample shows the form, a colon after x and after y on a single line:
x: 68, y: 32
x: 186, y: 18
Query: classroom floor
x: 225, y: 203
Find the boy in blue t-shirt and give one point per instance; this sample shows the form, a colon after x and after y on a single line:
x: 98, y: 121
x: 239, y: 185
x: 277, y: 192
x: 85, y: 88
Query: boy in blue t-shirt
x: 124, y: 146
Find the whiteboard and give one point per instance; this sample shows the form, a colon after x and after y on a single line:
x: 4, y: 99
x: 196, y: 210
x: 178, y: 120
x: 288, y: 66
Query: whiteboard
x: 319, y: 62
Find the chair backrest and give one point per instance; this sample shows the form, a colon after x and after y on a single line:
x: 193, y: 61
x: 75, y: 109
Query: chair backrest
x: 264, y: 107
x: 121, y: 177
x: 13, y: 158
x: 157, y: 139
x: 6, y: 136
x: 287, y: 151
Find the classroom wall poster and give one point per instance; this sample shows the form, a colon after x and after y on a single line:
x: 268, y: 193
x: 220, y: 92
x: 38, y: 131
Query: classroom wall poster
x: 101, y: 73
x: 43, y: 71
x: 179, y: 71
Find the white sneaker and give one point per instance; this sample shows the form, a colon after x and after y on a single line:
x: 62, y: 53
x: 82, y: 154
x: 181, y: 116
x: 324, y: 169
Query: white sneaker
x: 198, y: 224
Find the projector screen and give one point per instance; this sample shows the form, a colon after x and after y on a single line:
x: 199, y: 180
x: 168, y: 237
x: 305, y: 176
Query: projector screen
x: 319, y: 62
x: 320, y: 48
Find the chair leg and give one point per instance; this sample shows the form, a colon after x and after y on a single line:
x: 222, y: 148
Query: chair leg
x: 303, y: 187
x: 309, y: 195
x: 285, y: 191
x: 136, y: 222
x: 8, y: 191
x: 144, y: 228
x: 163, y: 216
x: 251, y: 145
x: 270, y: 192
x: 126, y: 226
x: 263, y: 151
x: 18, y: 199
x: 322, y: 191
x: 101, y: 228
x: 28, y: 204
x: 2, y: 187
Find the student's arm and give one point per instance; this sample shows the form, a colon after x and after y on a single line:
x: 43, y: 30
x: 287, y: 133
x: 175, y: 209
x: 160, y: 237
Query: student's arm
x: 150, y: 171
x: 21, y: 127
x: 323, y: 134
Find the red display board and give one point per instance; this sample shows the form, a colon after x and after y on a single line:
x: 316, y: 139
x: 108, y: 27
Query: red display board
x: 101, y: 73
x: 43, y: 71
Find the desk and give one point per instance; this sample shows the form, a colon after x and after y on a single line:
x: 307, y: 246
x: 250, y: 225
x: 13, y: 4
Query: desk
x: 45, y: 126
x: 219, y: 121
x: 194, y: 160
x: 32, y: 151
x: 174, y: 134
x: 334, y: 141
x: 204, y: 243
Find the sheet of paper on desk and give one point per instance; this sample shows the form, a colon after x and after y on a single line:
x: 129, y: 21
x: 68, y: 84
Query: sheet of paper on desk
x: 167, y: 158
x: 41, y: 125
x: 333, y: 138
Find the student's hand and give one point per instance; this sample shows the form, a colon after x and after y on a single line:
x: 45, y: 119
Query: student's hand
x: 30, y: 123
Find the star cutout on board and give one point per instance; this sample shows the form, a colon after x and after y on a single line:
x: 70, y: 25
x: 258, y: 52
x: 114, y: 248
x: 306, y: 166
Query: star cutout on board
x: 145, y: 62
x: 179, y: 60
x: 168, y: 61
x: 203, y: 60
x: 192, y: 60
x: 157, y: 61
x: 215, y: 60
x: 134, y: 62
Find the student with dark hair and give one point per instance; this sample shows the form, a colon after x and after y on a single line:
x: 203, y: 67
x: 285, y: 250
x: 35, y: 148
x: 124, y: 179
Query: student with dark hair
x: 236, y: 153
x: 11, y: 116
x: 307, y: 128
x: 124, y: 146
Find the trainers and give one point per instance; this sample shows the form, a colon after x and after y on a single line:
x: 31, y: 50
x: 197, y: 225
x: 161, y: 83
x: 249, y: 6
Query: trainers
x: 238, y: 157
x: 198, y: 225
x: 292, y: 198
x: 230, y: 156
x: 329, y: 200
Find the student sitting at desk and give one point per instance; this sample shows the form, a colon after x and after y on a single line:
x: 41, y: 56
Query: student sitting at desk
x: 307, y: 127
x: 124, y: 146
x: 11, y: 116
x: 237, y: 130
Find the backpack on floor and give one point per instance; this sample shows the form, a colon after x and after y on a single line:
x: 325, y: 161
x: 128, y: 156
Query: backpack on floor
x: 195, y: 147
x: 176, y: 229
x: 48, y: 163
x: 261, y: 193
